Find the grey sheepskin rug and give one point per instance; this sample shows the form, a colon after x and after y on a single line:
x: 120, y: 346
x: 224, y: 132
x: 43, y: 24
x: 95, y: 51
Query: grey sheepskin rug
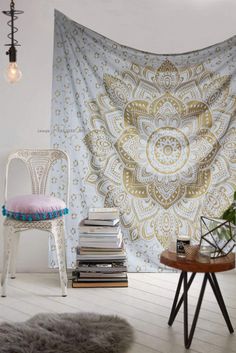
x: 67, y: 333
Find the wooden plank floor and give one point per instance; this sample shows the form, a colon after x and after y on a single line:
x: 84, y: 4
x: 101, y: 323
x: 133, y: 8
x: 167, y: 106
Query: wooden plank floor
x: 145, y: 304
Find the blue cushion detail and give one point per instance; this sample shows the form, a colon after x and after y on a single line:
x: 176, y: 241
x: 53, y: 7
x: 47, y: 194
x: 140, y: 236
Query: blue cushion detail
x: 34, y: 216
x: 3, y: 211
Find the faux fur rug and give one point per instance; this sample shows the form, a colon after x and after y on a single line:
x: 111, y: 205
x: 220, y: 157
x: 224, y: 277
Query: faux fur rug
x: 67, y: 333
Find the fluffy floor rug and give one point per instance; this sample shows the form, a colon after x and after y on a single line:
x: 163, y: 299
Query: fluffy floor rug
x: 67, y: 333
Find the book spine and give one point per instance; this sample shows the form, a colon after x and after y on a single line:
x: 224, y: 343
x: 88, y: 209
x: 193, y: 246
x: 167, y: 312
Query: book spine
x: 109, y: 257
x: 98, y: 284
x: 96, y: 222
x: 99, y: 230
x: 103, y: 216
x: 102, y: 269
x: 104, y: 209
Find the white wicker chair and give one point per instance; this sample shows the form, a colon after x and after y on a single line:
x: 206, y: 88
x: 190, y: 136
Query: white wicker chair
x: 38, y: 163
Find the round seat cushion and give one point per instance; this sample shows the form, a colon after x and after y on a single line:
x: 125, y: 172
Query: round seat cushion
x: 34, y: 207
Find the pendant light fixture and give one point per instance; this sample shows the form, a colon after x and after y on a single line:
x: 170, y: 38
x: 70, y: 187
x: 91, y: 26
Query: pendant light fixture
x: 13, y: 73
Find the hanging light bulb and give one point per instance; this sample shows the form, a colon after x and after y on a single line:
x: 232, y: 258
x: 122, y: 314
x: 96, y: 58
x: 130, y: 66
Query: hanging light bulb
x: 12, y: 73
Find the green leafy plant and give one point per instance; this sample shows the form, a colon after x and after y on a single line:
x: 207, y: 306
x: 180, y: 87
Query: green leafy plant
x: 230, y: 213
x: 222, y: 231
x: 217, y: 233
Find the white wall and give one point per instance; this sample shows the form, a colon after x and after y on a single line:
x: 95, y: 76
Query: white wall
x: 162, y: 26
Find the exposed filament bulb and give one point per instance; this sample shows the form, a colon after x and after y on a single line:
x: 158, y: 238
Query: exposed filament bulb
x: 13, y: 74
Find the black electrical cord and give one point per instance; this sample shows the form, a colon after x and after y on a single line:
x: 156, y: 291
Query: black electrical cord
x: 11, y: 23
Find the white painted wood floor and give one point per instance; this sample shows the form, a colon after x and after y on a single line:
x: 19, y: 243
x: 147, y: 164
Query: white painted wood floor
x: 145, y: 304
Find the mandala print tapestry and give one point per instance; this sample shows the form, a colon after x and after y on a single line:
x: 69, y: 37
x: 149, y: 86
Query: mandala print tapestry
x: 154, y: 135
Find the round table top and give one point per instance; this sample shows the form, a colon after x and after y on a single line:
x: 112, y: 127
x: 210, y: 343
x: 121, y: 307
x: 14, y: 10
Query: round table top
x: 221, y: 264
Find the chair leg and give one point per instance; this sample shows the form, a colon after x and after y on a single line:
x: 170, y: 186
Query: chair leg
x: 8, y: 235
x: 14, y: 255
x: 59, y: 236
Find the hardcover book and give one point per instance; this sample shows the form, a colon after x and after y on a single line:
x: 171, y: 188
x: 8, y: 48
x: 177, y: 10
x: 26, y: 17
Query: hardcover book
x: 101, y: 257
x: 76, y: 284
x: 83, y: 228
x: 103, y: 213
x: 101, y: 222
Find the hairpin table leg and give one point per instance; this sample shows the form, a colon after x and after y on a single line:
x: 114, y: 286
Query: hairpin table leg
x: 177, y: 304
x: 216, y: 289
x: 188, y: 340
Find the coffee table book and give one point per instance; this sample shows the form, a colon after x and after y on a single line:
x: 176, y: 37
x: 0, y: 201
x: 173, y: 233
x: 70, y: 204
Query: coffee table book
x: 98, y: 284
x: 103, y: 213
x: 96, y: 229
x: 101, y: 222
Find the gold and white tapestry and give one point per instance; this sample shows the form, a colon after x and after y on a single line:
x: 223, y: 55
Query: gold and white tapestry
x: 154, y: 135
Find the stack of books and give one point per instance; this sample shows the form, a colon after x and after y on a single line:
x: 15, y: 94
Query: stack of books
x: 101, y: 257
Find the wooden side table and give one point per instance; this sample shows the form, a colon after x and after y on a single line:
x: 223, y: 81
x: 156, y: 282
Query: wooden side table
x: 216, y: 265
